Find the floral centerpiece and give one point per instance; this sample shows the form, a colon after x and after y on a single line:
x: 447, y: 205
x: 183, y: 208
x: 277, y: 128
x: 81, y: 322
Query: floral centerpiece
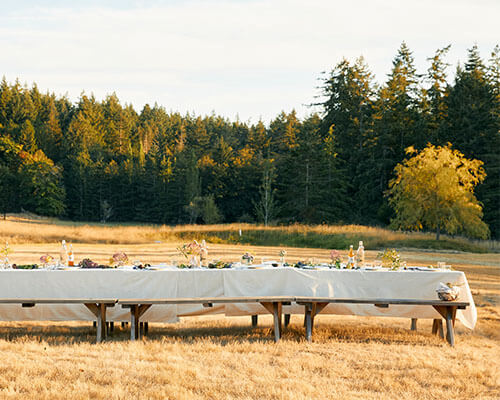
x: 391, y: 259
x: 247, y: 258
x: 118, y: 259
x: 335, y: 258
x: 193, y: 252
x: 46, y: 259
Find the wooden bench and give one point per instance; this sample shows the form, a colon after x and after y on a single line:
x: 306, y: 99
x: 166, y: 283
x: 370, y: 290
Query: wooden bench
x: 273, y: 304
x: 447, y: 309
x: 313, y: 306
x: 96, y: 306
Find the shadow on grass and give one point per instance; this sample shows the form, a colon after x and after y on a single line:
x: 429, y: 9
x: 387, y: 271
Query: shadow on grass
x: 63, y: 335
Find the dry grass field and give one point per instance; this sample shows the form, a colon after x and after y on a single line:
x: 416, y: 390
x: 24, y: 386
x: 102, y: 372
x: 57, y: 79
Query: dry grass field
x: 23, y: 228
x: 214, y: 357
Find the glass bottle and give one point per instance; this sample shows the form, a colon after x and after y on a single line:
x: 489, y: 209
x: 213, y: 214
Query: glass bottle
x: 350, y: 258
x: 71, y: 257
x: 360, y: 254
x: 63, y: 255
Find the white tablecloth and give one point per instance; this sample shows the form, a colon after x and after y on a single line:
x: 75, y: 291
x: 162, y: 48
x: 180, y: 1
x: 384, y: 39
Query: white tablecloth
x: 123, y: 284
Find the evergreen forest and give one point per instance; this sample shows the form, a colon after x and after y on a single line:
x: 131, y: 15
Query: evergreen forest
x: 104, y: 161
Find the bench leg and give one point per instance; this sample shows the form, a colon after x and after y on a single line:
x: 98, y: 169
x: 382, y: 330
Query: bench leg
x: 440, y: 329
x: 413, y: 324
x: 134, y: 322
x: 98, y: 326
x: 313, y: 309
x: 146, y: 328
x: 277, y: 321
x: 437, y: 327
x: 287, y: 320
x: 450, y: 337
x: 308, y: 322
x: 313, y: 315
x: 255, y: 320
x: 448, y: 312
x: 101, y: 323
x: 275, y: 308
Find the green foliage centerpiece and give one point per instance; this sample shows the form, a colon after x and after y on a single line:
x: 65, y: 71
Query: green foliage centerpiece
x: 391, y: 259
x: 5, y: 253
x: 247, y: 258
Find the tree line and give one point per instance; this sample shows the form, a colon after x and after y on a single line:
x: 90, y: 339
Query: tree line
x: 104, y: 161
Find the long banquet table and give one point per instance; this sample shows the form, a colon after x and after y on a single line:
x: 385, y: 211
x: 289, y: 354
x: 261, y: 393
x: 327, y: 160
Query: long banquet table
x: 180, y: 283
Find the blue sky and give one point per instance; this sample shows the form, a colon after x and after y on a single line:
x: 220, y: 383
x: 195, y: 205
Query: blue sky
x: 246, y: 58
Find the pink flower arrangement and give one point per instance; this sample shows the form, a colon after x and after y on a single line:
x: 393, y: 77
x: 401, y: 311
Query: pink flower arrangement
x: 191, y: 249
x: 118, y: 259
x: 335, y: 257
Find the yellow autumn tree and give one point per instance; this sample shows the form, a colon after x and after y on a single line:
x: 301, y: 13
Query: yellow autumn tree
x: 434, y: 189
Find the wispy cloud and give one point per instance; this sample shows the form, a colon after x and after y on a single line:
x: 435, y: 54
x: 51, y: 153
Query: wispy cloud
x: 254, y: 58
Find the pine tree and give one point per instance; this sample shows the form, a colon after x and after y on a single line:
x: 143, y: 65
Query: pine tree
x: 436, y: 94
x: 472, y: 127
x: 396, y: 123
x: 27, y: 136
x: 348, y: 123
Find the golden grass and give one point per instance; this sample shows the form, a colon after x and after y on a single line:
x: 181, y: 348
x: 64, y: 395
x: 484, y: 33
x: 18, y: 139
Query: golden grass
x: 215, y: 357
x: 20, y: 228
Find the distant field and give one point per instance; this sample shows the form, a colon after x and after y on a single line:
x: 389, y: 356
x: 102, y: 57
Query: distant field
x: 25, y: 229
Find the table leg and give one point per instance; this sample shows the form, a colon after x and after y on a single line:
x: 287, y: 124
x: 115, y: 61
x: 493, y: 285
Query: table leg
x: 146, y: 328
x: 413, y: 324
x: 435, y: 326
x: 440, y: 328
x: 255, y: 320
x: 287, y: 320
x: 110, y: 326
